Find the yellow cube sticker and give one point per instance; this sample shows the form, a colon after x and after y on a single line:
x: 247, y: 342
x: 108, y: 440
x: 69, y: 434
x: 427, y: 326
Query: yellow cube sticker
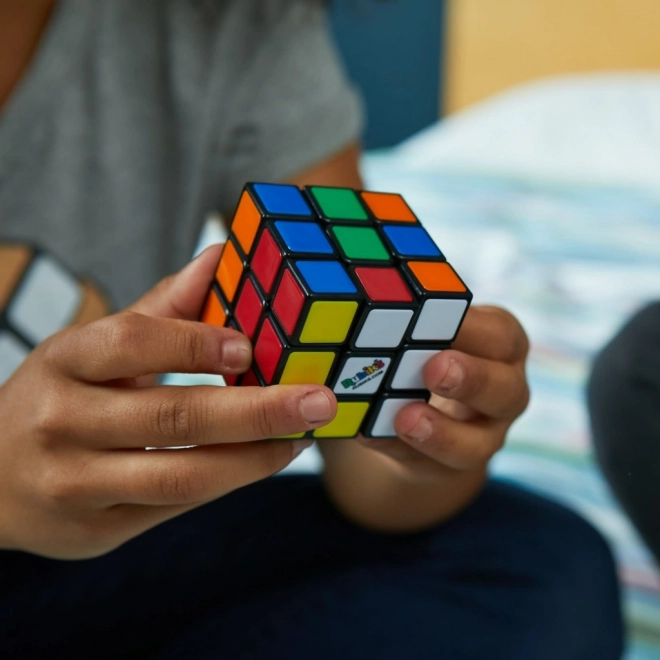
x: 347, y: 422
x: 307, y: 367
x: 328, y: 322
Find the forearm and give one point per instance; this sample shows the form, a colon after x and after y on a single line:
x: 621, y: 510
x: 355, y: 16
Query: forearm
x: 379, y: 493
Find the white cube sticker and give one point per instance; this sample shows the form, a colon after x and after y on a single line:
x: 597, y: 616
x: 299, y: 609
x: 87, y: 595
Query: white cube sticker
x: 410, y: 372
x: 384, y: 328
x: 439, y: 320
x: 384, y: 425
x: 362, y: 375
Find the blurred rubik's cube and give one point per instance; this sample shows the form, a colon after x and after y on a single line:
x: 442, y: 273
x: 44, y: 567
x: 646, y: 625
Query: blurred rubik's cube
x: 339, y: 287
x: 38, y: 297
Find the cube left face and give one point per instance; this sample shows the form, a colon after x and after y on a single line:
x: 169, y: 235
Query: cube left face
x: 338, y: 287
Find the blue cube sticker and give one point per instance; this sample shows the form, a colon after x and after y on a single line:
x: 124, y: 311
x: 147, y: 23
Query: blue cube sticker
x: 326, y: 277
x: 282, y: 199
x: 303, y: 237
x: 412, y: 241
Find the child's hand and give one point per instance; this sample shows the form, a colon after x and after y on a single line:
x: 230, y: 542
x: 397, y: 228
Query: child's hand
x: 75, y: 479
x: 478, y: 389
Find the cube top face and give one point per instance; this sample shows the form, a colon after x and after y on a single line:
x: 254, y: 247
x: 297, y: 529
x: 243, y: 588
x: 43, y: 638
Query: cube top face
x: 338, y: 287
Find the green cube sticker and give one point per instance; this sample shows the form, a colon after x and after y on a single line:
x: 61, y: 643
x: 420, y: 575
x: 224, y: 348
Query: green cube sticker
x: 360, y: 243
x: 339, y: 203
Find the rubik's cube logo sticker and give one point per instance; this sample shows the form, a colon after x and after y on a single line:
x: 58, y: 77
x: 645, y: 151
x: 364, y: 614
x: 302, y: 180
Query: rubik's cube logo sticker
x: 338, y: 287
x: 367, y: 374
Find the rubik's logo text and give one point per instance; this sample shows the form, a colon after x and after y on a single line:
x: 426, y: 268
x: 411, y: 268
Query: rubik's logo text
x: 340, y: 287
x: 365, y: 374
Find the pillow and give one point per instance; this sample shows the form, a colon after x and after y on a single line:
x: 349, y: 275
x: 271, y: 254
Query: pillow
x: 595, y: 128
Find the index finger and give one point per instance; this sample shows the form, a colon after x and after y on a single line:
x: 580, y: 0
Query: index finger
x: 492, y: 333
x: 129, y: 345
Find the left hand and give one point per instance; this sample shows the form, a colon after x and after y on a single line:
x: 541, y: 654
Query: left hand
x: 478, y: 389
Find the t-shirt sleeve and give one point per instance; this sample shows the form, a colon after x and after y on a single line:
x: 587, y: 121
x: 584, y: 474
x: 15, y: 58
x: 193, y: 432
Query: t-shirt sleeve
x: 295, y: 107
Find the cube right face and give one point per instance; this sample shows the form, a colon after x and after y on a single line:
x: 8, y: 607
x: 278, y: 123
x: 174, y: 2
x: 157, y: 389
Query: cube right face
x: 337, y: 287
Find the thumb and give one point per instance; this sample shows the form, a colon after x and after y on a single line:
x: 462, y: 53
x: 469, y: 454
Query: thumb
x: 181, y: 296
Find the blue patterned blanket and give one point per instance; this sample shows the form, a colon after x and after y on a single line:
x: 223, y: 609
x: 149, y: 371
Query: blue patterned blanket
x: 572, y: 262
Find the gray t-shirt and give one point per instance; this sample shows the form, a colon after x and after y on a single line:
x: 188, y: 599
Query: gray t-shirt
x: 138, y: 118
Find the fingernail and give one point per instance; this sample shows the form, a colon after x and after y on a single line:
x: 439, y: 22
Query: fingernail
x: 299, y: 446
x: 454, y: 376
x: 316, y: 408
x: 421, y: 431
x: 236, y: 353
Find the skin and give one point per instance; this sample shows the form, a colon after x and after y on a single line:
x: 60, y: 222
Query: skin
x: 21, y: 26
x: 438, y: 464
x: 76, y: 481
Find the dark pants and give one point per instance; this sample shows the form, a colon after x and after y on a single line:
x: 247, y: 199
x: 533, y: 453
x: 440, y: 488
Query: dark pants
x: 273, y: 572
x: 624, y: 403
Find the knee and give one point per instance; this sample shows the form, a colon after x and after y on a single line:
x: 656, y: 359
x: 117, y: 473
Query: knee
x: 632, y: 355
x: 577, y: 579
x: 583, y: 577
x: 580, y: 559
x: 624, y: 385
x: 553, y: 569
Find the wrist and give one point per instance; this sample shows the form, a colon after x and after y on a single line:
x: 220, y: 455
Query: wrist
x: 383, y: 494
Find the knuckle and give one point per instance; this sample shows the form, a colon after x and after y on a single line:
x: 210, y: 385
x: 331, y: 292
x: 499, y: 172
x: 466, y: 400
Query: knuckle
x: 521, y: 341
x: 263, y: 420
x: 490, y: 442
x: 51, y: 349
x: 120, y: 333
x: 181, y: 484
x: 523, y: 400
x: 514, y: 341
x: 445, y: 444
x: 497, y: 442
x: 59, y: 486
x: 191, y: 346
x: 175, y: 419
x: 483, y: 452
x: 50, y: 421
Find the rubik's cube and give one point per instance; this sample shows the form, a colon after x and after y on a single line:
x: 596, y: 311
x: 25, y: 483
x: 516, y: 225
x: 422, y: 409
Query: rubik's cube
x: 338, y: 287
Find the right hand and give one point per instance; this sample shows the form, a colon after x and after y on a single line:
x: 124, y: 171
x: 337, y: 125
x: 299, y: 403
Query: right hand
x: 76, y: 417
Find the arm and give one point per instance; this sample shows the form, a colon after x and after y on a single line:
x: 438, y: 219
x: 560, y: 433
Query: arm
x: 438, y: 464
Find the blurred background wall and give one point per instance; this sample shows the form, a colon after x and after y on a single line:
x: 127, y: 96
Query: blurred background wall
x: 393, y: 52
